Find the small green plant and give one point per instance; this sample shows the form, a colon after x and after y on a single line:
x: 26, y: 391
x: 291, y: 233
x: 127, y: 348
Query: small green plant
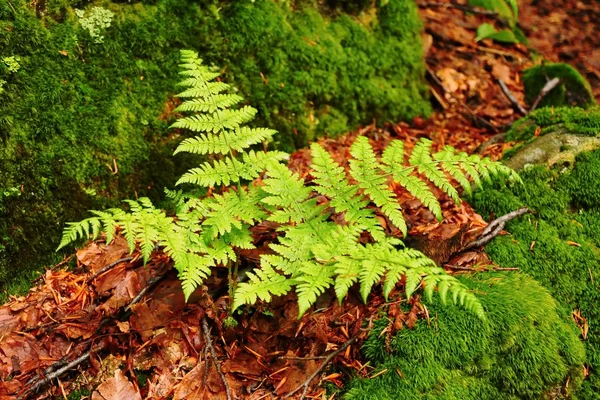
x: 508, y: 10
x: 313, y: 253
x: 12, y: 63
x: 95, y: 21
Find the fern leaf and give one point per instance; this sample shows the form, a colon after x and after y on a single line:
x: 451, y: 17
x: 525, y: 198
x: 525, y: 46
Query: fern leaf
x: 218, y: 102
x: 421, y: 158
x: 77, y: 230
x: 347, y: 271
x: 195, y: 270
x: 262, y: 284
x: 315, y: 279
x: 363, y: 168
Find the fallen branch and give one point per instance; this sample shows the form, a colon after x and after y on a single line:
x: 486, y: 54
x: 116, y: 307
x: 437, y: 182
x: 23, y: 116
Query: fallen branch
x: 511, y: 97
x: 306, y: 383
x: 213, y: 355
x: 495, y: 227
x: 465, y: 268
x: 63, y: 365
x: 551, y: 84
x: 43, y: 382
x: 461, y: 7
x: 108, y: 267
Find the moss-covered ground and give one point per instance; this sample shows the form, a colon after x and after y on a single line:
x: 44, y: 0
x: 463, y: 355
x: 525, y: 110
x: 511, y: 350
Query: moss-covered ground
x: 573, y: 89
x: 527, y: 347
x: 559, y: 244
x: 74, y: 111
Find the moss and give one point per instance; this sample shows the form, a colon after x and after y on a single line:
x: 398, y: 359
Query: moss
x: 566, y: 119
x: 559, y: 245
x: 573, y: 90
x: 75, y: 108
x: 527, y: 347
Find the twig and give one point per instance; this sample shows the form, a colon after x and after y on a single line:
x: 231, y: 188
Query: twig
x: 43, y: 382
x: 108, y: 267
x: 62, y: 365
x: 327, y: 360
x: 511, y: 97
x: 213, y: 355
x: 303, y: 358
x: 495, y: 227
x: 464, y: 268
x: 461, y: 7
x: 151, y: 282
x: 551, y: 84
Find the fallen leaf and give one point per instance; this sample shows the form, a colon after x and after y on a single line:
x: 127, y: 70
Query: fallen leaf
x: 116, y: 388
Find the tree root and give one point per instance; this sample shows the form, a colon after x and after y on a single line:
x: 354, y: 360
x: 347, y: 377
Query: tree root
x: 327, y: 360
x: 213, y: 355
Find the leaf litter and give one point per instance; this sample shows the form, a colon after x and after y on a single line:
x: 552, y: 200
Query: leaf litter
x: 120, y: 329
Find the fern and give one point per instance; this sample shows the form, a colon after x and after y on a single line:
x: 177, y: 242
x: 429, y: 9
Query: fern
x: 312, y: 252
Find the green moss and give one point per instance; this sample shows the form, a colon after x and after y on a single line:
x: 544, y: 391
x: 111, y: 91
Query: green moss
x: 527, y: 347
x: 559, y: 245
x: 74, y: 108
x: 563, y: 119
x: 573, y: 90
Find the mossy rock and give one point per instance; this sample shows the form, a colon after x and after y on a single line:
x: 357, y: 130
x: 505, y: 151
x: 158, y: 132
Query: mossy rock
x: 554, y: 136
x: 558, y: 244
x: 528, y: 347
x: 573, y: 90
x: 75, y: 110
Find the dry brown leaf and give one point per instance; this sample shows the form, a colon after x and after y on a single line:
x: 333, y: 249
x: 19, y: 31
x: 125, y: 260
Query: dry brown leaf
x: 116, y: 388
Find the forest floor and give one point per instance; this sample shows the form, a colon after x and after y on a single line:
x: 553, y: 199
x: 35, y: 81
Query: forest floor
x: 112, y: 328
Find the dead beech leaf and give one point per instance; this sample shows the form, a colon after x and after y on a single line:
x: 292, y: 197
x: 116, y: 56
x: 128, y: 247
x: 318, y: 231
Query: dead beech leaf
x: 116, y: 388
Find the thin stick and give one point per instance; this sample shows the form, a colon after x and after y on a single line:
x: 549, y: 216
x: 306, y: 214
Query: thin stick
x: 61, y: 366
x: 43, y: 382
x: 495, y: 227
x: 511, y: 97
x: 213, y: 355
x: 303, y: 358
x: 551, y: 84
x: 108, y: 267
x: 461, y: 7
x: 327, y: 360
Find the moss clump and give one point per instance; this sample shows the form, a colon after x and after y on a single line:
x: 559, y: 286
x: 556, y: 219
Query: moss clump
x: 559, y: 245
x: 562, y: 119
x: 573, y: 90
x: 74, y: 108
x: 527, y: 347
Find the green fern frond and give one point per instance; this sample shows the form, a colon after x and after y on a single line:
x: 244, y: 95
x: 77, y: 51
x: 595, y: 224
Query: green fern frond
x: 195, y: 270
x: 363, y: 168
x: 262, y: 284
x: 88, y: 228
x: 347, y: 271
x: 421, y: 158
x: 227, y: 141
x: 392, y: 160
x: 315, y: 279
x: 218, y: 102
x: 461, y: 295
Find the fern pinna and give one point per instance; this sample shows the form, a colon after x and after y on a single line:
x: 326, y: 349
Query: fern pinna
x: 313, y: 253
